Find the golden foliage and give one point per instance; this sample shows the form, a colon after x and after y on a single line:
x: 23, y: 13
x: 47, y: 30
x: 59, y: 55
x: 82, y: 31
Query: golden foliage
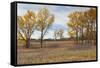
x: 26, y: 23
x: 44, y: 19
x: 78, y: 21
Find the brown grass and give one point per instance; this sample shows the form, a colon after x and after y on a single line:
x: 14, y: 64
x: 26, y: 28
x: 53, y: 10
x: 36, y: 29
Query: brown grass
x: 54, y: 51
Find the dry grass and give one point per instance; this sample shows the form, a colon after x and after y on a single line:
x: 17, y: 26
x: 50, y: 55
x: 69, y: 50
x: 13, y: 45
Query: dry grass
x: 54, y: 51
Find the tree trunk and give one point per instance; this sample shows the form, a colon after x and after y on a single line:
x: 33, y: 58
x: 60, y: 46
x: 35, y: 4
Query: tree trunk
x: 82, y: 38
x: 95, y: 35
x: 76, y: 37
x: 92, y: 34
x: 28, y: 43
x: 41, y: 39
x: 88, y: 34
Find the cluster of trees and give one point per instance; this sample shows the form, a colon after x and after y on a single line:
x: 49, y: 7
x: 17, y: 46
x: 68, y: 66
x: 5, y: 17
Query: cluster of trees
x: 31, y: 21
x: 58, y: 34
x: 82, y: 26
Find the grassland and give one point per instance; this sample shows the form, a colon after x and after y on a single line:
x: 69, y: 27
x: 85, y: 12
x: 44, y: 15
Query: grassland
x: 54, y: 51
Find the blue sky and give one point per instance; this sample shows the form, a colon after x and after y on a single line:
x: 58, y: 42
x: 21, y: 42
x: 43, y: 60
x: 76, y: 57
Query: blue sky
x: 60, y: 13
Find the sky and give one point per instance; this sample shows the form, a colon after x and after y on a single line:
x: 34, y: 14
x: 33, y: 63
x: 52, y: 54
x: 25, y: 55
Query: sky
x: 60, y: 21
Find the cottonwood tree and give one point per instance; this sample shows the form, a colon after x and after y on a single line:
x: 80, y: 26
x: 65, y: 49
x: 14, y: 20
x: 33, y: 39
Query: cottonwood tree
x: 84, y: 24
x: 74, y: 24
x: 91, y: 24
x: 71, y: 33
x: 60, y: 32
x: 55, y: 34
x: 26, y: 26
x: 44, y: 21
x: 81, y: 24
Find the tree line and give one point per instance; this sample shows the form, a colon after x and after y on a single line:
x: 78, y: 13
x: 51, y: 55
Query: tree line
x: 82, y: 26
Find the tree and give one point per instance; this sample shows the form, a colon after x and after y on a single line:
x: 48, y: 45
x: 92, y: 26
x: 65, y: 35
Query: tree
x: 74, y: 24
x: 71, y: 33
x: 60, y: 33
x: 84, y: 24
x: 81, y: 24
x: 55, y: 34
x: 91, y: 26
x: 26, y: 26
x: 44, y: 21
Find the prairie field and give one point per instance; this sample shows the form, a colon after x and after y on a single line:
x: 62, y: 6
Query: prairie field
x: 54, y: 51
x: 47, y: 35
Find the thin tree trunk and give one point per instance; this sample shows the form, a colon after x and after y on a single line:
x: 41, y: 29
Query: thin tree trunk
x: 88, y: 32
x: 92, y: 34
x: 95, y: 34
x: 82, y: 38
x: 41, y: 39
x: 76, y: 37
x: 28, y: 43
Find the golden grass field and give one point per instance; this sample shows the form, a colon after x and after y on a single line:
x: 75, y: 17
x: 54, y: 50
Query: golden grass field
x: 54, y: 51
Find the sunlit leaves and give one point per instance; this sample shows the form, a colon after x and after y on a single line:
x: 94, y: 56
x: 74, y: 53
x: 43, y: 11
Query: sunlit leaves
x: 71, y: 33
x: 26, y: 23
x: 82, y: 23
x: 50, y: 19
x: 92, y: 13
x: 44, y: 19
